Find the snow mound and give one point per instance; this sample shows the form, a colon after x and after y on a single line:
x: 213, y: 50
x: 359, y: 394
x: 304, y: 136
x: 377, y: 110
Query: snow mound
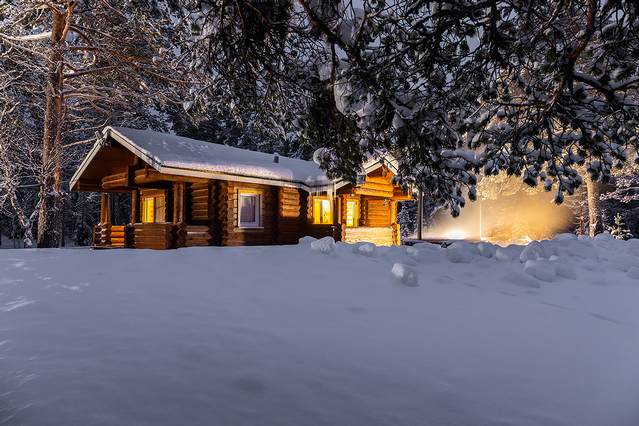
x: 306, y: 240
x: 541, y: 269
x: 407, y: 275
x: 503, y: 255
x: 425, y: 256
x: 486, y: 250
x: 520, y: 279
x: 624, y: 262
x: 459, y: 252
x: 326, y: 245
x: 365, y: 249
x: 534, y: 251
x: 633, y: 272
x: 565, y: 271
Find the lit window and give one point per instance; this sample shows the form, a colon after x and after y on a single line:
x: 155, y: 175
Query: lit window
x: 153, y: 209
x: 148, y: 209
x: 352, y: 213
x: 249, y: 207
x: 322, y: 211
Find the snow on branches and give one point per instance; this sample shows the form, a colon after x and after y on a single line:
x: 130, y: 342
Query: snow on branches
x: 536, y: 88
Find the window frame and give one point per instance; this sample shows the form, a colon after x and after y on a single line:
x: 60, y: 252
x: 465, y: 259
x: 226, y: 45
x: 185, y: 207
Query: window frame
x: 321, y: 215
x: 355, y: 212
x: 154, y: 195
x: 258, y: 196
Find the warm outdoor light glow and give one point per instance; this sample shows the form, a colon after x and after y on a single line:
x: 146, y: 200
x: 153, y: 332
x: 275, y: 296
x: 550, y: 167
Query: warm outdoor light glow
x: 456, y: 235
x: 507, y: 212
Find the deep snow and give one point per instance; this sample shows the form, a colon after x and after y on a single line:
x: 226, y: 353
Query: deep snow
x: 323, y: 334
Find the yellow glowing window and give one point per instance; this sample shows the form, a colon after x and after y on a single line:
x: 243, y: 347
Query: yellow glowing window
x: 322, y: 211
x: 352, y: 211
x: 148, y: 210
x: 153, y: 209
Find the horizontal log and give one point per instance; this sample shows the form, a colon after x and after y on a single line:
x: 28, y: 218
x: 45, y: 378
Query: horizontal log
x: 121, y: 183
x: 155, y: 233
x: 199, y: 202
x: 375, y: 224
x: 154, y: 174
x: 199, y: 186
x: 150, y: 175
x: 154, y: 225
x: 141, y: 180
x: 149, y: 240
x: 117, y: 241
x: 197, y: 228
x: 151, y: 246
x: 195, y: 193
x: 115, y: 176
x: 376, y: 216
x: 256, y: 242
x: 200, y: 205
x: 289, y: 209
x: 293, y: 197
x: 386, y: 186
x: 378, y: 178
x: 198, y: 236
x: 378, y: 208
x: 406, y: 197
x: 373, y: 192
x: 194, y: 243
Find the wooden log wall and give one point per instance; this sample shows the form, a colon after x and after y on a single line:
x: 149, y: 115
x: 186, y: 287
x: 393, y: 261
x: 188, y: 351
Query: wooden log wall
x: 194, y: 235
x: 199, y: 200
x: 382, y: 236
x: 227, y: 214
x: 115, y: 235
x: 290, y: 217
x: 374, y: 213
x: 97, y: 236
x: 156, y: 236
x: 397, y: 236
x: 318, y: 230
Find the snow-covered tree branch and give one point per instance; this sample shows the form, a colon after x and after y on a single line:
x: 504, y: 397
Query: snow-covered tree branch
x: 87, y: 62
x: 450, y: 88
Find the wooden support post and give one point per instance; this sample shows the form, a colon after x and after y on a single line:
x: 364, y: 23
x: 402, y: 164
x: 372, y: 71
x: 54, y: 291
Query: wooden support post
x: 179, y: 201
x: 104, y: 206
x: 129, y: 233
x: 135, y: 206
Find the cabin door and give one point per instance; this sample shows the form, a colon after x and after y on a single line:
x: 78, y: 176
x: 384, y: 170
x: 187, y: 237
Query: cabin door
x: 352, y: 212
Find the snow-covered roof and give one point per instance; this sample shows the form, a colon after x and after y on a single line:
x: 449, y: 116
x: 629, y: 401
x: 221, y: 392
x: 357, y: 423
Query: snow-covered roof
x: 177, y: 155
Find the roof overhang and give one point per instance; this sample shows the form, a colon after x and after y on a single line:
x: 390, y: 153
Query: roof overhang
x: 110, y: 134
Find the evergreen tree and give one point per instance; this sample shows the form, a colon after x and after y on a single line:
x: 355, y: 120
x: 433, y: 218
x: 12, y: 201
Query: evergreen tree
x: 541, y: 87
x: 77, y: 65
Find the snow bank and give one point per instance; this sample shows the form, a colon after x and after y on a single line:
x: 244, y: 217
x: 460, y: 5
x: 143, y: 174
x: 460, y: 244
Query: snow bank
x: 321, y: 334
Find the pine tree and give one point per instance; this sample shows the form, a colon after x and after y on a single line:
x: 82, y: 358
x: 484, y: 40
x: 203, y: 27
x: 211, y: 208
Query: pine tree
x: 537, y: 88
x: 79, y: 62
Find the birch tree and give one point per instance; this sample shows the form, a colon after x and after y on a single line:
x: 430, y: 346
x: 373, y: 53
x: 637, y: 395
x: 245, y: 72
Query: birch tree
x: 19, y: 164
x: 90, y: 58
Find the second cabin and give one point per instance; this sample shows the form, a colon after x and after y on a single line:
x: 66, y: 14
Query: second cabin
x: 188, y: 193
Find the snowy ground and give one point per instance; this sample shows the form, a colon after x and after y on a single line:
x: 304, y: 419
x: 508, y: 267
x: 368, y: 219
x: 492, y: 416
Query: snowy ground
x: 322, y: 334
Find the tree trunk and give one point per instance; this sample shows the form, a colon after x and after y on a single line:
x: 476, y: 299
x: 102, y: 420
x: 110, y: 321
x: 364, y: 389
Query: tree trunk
x: 49, y: 215
x: 594, y: 211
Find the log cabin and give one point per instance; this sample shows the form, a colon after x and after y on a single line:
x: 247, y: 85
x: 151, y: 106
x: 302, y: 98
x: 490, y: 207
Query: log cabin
x: 187, y: 193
